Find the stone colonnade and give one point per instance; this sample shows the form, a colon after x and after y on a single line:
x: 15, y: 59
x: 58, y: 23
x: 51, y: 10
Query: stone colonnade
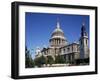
x: 57, y: 42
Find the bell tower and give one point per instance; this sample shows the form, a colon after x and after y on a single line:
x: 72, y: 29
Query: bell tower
x: 84, y: 50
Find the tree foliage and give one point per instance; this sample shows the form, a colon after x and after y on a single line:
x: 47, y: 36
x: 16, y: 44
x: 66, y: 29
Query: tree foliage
x: 50, y: 60
x: 29, y: 63
x: 39, y: 61
x: 59, y: 59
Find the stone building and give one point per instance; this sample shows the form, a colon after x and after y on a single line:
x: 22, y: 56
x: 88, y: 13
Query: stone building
x: 59, y: 45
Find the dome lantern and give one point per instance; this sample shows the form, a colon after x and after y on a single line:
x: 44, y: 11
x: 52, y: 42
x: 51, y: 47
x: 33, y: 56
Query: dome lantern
x: 58, y: 24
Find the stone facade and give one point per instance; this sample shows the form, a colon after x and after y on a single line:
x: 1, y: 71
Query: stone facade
x: 60, y: 46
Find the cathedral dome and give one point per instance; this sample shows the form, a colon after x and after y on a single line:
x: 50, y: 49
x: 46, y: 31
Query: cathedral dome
x: 58, y: 32
x: 57, y: 38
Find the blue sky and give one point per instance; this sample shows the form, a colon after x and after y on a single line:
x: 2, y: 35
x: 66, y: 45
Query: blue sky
x: 39, y: 27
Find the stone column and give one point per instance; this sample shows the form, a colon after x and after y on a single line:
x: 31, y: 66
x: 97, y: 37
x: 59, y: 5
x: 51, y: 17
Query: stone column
x: 55, y: 41
x: 60, y: 41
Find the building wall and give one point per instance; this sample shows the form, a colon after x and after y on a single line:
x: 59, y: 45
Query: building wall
x: 84, y: 49
x: 69, y: 52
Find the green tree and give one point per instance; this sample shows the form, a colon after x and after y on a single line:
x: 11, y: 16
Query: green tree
x: 39, y: 61
x: 29, y: 63
x: 50, y: 60
x: 59, y: 59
